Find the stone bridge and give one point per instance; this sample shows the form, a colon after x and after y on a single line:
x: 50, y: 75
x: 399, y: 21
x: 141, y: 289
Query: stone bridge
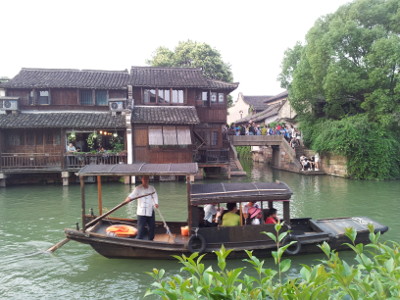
x: 283, y: 156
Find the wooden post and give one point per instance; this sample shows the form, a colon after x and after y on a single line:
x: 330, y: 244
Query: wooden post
x: 241, y: 214
x: 286, y: 212
x: 63, y: 148
x: 99, y: 195
x: 188, y: 203
x: 83, y: 208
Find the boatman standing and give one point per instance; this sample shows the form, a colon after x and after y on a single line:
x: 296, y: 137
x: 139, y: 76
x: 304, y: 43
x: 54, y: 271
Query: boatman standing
x: 145, y: 211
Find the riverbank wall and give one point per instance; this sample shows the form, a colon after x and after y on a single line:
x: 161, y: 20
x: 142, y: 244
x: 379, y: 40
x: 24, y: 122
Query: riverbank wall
x: 330, y: 164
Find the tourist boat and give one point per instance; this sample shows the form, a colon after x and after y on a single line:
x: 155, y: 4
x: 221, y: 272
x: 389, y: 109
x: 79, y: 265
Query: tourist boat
x: 176, y: 238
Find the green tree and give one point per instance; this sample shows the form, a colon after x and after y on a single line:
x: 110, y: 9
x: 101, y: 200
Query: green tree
x: 191, y: 54
x: 4, y: 79
x: 349, y: 66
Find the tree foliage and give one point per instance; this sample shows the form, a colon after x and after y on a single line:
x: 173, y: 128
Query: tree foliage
x: 191, y: 54
x: 349, y: 66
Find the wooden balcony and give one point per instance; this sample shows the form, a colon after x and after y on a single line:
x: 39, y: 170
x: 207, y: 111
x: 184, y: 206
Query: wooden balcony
x: 45, y: 162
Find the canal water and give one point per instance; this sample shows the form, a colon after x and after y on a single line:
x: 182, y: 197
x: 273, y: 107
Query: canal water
x: 32, y: 219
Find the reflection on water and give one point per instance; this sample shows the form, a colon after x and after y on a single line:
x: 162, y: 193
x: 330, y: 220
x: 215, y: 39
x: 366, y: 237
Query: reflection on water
x: 32, y: 219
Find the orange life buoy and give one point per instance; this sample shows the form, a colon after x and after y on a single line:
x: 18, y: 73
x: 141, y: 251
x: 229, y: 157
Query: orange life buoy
x: 121, y: 230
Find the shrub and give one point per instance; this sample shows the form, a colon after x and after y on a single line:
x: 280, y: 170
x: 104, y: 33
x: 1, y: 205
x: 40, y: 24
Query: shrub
x: 372, y: 151
x: 376, y: 275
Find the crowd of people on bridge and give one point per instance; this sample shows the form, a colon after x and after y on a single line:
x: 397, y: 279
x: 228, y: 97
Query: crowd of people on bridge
x: 290, y: 133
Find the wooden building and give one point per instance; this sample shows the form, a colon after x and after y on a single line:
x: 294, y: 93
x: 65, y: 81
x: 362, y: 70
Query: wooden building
x: 44, y: 109
x: 178, y: 116
x: 155, y: 115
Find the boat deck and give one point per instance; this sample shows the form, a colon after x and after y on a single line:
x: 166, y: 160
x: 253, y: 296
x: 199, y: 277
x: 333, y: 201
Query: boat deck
x: 159, y: 236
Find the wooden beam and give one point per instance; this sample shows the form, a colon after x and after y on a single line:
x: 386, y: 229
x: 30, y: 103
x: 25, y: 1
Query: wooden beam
x: 99, y: 195
x: 83, y: 208
x: 190, y: 213
x: 286, y: 212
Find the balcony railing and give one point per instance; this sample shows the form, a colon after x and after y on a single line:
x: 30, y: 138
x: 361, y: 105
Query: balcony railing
x: 213, y: 156
x: 29, y: 161
x: 78, y: 160
x: 42, y: 161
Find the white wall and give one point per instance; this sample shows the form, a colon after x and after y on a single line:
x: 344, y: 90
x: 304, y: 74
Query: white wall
x: 234, y: 111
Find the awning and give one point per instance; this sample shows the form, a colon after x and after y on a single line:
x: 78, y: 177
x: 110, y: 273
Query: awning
x: 239, y: 192
x: 139, y: 169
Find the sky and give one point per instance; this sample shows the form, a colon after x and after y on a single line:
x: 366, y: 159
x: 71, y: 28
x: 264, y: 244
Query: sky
x: 251, y: 35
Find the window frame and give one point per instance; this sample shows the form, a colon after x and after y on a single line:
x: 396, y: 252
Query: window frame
x: 39, y: 97
x: 174, y: 96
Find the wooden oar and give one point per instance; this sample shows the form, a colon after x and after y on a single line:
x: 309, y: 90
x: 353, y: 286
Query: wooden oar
x: 94, y: 221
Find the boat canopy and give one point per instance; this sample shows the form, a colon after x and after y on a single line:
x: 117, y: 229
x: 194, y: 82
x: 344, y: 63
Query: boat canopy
x: 202, y: 194
x: 139, y: 169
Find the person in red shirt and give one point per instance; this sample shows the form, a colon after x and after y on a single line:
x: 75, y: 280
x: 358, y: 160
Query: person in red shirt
x: 271, y: 217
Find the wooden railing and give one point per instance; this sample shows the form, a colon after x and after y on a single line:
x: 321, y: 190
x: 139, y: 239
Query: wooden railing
x: 213, y: 156
x: 43, y: 161
x: 78, y: 160
x: 29, y: 161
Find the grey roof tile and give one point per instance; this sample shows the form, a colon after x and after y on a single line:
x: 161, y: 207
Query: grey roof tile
x: 69, y: 78
x: 258, y: 102
x: 62, y: 120
x: 282, y: 95
x: 165, y: 115
x: 270, y: 111
x: 166, y: 77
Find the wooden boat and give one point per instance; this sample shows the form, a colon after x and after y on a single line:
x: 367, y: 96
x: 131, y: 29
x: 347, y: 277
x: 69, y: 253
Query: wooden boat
x: 308, y: 233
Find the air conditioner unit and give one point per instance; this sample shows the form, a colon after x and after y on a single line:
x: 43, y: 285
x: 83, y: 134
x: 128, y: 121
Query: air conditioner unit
x: 8, y: 103
x: 116, y: 105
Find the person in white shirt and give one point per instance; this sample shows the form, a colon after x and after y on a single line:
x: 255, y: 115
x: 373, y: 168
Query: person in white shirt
x: 211, y: 215
x: 145, y: 211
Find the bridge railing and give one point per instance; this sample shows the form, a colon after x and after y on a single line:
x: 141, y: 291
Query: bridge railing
x: 256, y: 140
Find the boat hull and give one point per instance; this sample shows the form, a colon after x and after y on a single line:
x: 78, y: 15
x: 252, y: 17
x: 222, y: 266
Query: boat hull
x: 306, y: 232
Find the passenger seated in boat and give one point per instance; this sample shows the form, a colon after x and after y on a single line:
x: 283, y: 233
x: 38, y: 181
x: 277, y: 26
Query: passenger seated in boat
x: 211, y: 215
x: 231, y: 218
x: 256, y: 216
x: 247, y: 210
x: 271, y: 217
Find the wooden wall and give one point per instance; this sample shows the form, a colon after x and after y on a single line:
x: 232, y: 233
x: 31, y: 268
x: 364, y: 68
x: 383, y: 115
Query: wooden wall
x: 36, y: 141
x: 214, y: 114
x: 22, y: 94
x: 144, y: 153
x: 64, y: 97
x: 117, y: 94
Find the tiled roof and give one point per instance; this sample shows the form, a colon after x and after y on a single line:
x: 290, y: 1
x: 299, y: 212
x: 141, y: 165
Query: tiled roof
x: 62, y: 120
x: 69, y: 78
x: 269, y: 112
x: 258, y: 102
x: 166, y: 77
x: 282, y: 95
x: 222, y: 85
x: 155, y: 77
x: 184, y: 115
